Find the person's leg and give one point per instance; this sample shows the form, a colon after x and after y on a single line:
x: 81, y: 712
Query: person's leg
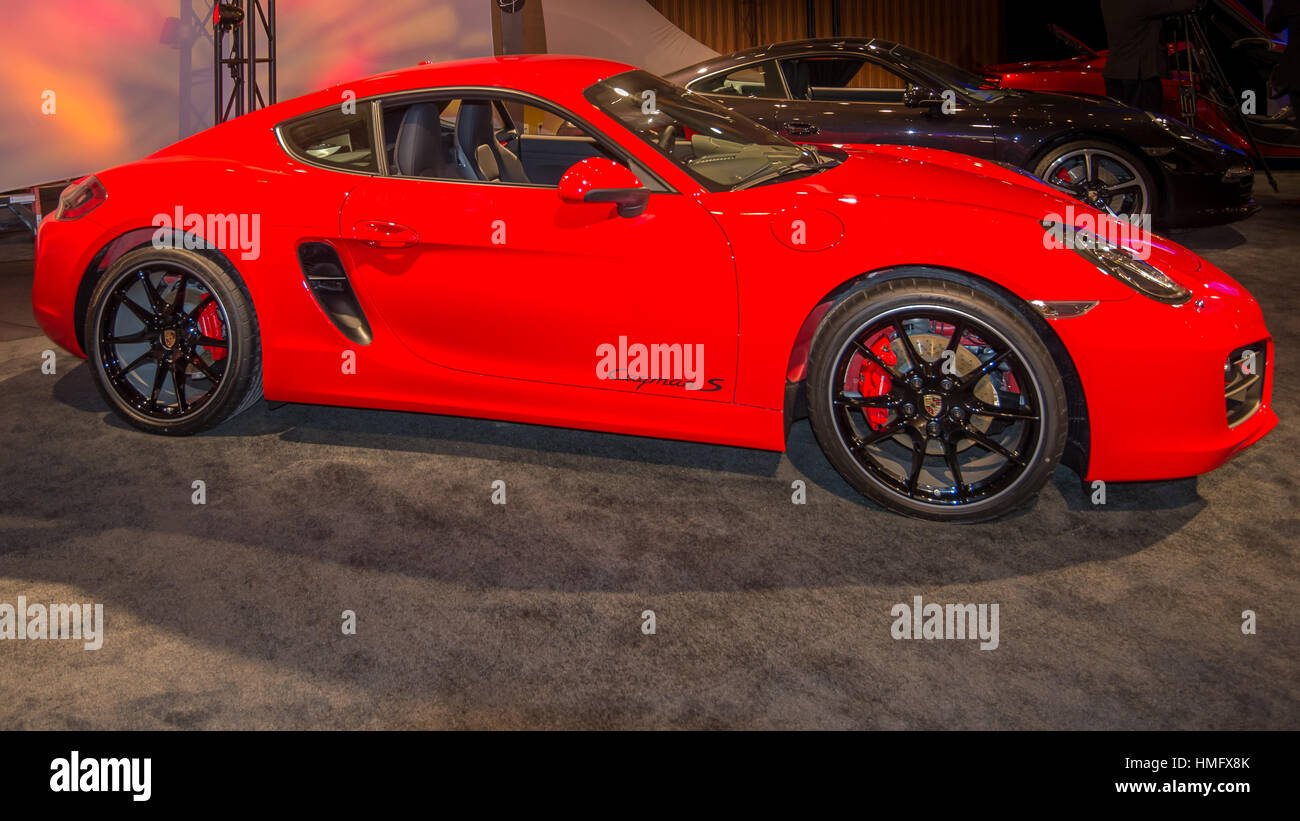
x: 1150, y: 95
x: 1115, y: 89
x: 1131, y: 90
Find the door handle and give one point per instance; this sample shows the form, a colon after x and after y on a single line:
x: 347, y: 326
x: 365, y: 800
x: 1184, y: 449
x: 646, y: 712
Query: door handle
x: 799, y: 128
x: 383, y: 234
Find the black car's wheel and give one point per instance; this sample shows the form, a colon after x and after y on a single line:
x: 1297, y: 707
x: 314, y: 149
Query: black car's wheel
x: 1100, y: 173
x: 936, y: 399
x: 173, y: 341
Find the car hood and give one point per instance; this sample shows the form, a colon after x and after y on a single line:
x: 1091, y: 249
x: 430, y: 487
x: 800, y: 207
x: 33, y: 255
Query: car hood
x: 913, y: 177
x: 924, y: 174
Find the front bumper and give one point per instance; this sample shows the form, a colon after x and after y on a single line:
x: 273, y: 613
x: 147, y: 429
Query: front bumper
x: 1154, y: 381
x: 1208, y: 199
x: 1200, y: 191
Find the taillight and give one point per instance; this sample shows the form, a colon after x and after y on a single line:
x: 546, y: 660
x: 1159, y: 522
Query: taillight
x: 80, y: 198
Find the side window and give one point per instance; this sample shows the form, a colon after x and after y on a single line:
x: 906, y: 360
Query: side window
x: 843, y: 79
x: 549, y: 144
x: 543, y: 123
x: 332, y: 138
x: 755, y: 80
x: 488, y: 140
x: 449, y: 139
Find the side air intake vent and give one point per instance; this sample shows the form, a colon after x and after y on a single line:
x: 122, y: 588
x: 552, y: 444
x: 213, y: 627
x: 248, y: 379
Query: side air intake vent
x: 329, y: 284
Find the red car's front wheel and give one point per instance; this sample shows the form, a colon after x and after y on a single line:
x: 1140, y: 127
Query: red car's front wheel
x: 936, y: 399
x: 173, y: 341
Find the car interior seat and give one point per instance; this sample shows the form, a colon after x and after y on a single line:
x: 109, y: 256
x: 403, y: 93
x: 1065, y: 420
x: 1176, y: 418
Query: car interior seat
x: 473, y: 133
x: 419, y: 150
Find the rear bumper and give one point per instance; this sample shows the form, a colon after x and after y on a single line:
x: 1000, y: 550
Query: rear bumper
x: 1153, y: 378
x: 64, y: 252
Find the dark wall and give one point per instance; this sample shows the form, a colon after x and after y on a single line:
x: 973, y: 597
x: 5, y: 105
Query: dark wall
x: 966, y: 32
x: 1027, y: 21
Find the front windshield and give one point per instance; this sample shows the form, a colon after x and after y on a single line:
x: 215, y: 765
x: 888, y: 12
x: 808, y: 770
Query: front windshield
x: 718, y: 147
x: 966, y: 83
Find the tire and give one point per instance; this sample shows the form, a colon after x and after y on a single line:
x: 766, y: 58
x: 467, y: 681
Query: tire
x: 1115, y: 173
x: 168, y: 371
x: 894, y: 426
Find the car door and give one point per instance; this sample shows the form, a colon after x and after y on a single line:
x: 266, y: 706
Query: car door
x: 852, y: 99
x: 505, y: 279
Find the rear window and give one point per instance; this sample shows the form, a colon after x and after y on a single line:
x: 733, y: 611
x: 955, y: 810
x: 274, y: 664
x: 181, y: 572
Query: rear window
x: 334, y: 139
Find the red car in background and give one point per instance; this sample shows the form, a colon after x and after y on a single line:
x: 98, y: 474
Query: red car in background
x: 652, y: 264
x: 1246, y: 50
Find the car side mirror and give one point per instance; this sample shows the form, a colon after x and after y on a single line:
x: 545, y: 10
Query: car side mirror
x: 917, y: 97
x: 597, y: 179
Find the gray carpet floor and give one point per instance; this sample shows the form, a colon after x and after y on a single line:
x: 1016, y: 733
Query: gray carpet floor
x: 528, y: 615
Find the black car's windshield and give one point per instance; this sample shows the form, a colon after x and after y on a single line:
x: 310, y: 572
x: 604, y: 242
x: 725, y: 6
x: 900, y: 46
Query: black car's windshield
x: 965, y: 83
x: 719, y: 148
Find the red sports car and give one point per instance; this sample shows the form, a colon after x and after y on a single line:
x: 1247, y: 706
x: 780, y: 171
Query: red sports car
x: 576, y: 242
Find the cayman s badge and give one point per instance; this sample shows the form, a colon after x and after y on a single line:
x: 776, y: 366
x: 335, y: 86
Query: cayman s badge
x: 933, y: 404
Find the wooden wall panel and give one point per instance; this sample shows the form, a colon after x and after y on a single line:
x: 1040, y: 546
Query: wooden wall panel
x: 969, y: 33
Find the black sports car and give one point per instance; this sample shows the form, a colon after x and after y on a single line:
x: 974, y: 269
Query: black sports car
x: 865, y: 91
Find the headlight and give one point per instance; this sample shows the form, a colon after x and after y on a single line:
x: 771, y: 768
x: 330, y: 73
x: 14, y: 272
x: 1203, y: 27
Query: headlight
x: 1120, y: 263
x: 1184, y: 132
x: 1238, y: 172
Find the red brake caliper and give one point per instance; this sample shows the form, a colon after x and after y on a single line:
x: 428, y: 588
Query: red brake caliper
x: 874, y: 380
x: 210, y: 325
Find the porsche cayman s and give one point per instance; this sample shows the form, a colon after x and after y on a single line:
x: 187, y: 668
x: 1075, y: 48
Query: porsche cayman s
x: 576, y: 242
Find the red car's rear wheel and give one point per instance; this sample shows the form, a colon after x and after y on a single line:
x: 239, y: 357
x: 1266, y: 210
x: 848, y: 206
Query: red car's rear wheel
x: 936, y: 399
x: 173, y: 341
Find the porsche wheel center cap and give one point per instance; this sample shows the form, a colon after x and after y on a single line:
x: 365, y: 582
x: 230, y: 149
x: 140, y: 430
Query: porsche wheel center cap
x: 933, y: 404
x: 169, y: 338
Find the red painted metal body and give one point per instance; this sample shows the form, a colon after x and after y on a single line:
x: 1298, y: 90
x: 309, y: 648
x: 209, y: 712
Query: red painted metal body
x: 509, y: 330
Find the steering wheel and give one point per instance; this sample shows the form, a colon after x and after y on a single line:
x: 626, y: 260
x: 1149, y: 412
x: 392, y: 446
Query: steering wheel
x: 507, y: 136
x: 666, y: 137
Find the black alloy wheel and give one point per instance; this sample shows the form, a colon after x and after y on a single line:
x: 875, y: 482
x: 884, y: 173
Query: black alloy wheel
x: 157, y: 357
x: 173, y: 339
x: 936, y: 399
x: 1102, y: 175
